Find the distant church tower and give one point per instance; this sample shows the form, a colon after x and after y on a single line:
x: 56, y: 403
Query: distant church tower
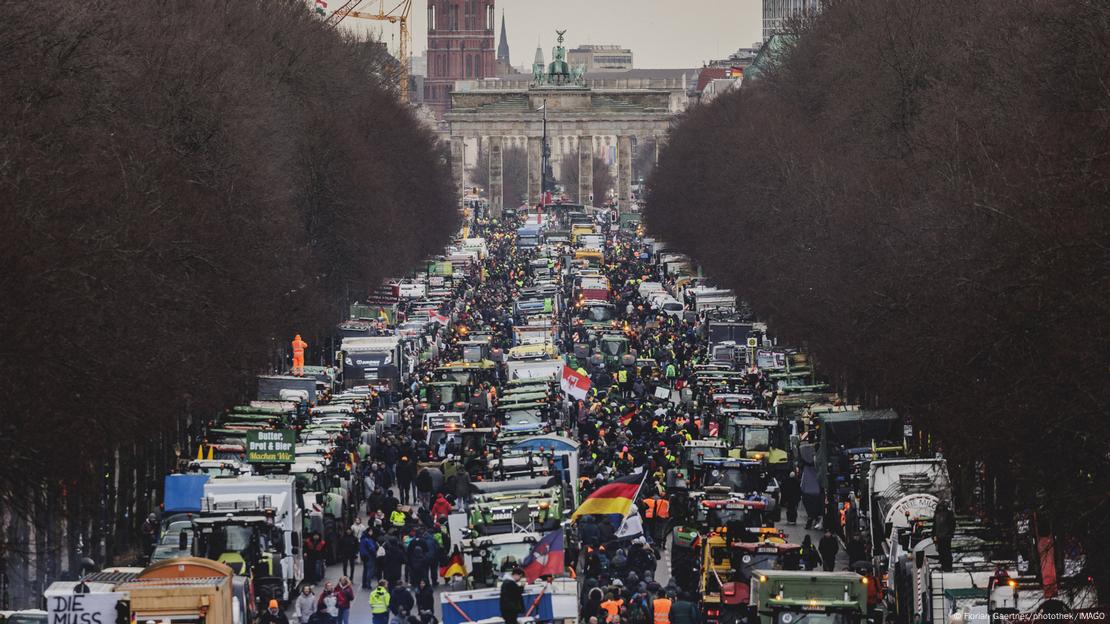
x: 503, y: 64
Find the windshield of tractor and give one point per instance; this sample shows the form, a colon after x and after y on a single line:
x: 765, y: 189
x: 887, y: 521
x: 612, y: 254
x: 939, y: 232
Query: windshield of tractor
x: 790, y: 617
x: 757, y: 438
x: 472, y: 353
x: 445, y: 395
x: 599, y: 313
x: 505, y: 557
x: 778, y: 560
x: 721, y: 517
x: 737, y: 479
x: 612, y: 347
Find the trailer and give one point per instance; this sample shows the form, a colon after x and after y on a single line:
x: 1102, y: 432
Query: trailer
x: 545, y: 602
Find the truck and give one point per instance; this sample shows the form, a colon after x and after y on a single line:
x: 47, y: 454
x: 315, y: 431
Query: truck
x: 286, y: 388
x: 593, y: 289
x: 902, y: 492
x: 848, y: 439
x: 507, y: 506
x: 534, y: 369
x: 801, y: 597
x: 189, y: 590
x: 555, y: 602
x: 252, y: 524
x: 707, y: 298
x: 529, y: 237
x: 375, y: 361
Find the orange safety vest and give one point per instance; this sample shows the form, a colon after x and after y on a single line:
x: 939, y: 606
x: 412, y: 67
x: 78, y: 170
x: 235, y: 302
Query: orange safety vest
x: 649, y: 512
x: 612, y: 607
x: 844, y: 514
x: 661, y: 607
x: 663, y: 508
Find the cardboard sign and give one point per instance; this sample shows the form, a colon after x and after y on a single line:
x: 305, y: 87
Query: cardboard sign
x: 271, y: 447
x: 83, y: 608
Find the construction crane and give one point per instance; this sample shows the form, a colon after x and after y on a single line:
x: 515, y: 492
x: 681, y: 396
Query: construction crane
x: 399, y: 14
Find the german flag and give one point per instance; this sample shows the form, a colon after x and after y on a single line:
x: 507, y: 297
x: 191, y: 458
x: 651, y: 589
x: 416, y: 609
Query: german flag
x: 613, y: 498
x: 627, y: 417
x: 454, y: 566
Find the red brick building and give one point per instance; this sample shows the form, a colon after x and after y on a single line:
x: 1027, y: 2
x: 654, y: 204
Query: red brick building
x: 460, y: 47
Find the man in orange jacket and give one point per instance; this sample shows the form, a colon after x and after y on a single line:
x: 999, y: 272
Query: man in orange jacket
x: 298, y: 355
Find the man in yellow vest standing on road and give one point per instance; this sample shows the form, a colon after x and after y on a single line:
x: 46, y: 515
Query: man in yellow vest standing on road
x: 661, y: 609
x: 379, y: 603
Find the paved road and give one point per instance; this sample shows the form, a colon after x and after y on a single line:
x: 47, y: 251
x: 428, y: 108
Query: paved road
x: 360, y: 610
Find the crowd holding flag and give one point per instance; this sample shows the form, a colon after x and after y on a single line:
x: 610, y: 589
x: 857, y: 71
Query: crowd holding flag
x: 617, y: 497
x: 574, y: 384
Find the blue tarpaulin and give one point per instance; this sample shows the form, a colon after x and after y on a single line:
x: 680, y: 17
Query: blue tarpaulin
x: 485, y: 603
x: 547, y: 442
x: 183, y: 492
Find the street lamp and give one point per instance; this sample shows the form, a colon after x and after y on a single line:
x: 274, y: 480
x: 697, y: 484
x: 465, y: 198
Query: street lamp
x: 547, y: 178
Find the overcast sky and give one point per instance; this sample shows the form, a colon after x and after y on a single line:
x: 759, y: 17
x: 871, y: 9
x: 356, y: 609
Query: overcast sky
x: 661, y: 33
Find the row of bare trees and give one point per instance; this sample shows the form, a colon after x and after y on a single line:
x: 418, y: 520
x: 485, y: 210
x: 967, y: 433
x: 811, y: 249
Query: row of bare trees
x: 920, y: 192
x: 183, y: 185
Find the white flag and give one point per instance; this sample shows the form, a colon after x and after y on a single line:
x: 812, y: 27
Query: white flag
x: 631, y: 526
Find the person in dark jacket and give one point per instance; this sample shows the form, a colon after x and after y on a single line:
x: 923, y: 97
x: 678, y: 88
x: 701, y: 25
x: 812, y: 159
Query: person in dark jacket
x: 944, y: 528
x: 418, y: 564
x: 406, y: 473
x: 273, y: 614
x: 348, y: 551
x: 393, y: 561
x: 512, y: 597
x: 791, y: 496
x: 401, y: 601
x: 425, y: 598
x: 368, y: 553
x: 588, y: 532
x: 828, y: 547
x: 315, y: 548
x: 684, y: 610
x: 856, y: 549
x: 809, y: 555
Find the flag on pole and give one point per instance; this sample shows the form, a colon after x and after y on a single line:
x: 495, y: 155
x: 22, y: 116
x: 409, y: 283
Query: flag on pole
x: 612, y: 498
x: 574, y: 383
x: 436, y: 317
x: 454, y: 566
x: 547, y: 557
x: 631, y: 526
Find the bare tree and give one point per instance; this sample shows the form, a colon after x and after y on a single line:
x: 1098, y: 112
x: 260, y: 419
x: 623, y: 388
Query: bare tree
x: 603, y: 180
x: 919, y: 193
x: 183, y: 185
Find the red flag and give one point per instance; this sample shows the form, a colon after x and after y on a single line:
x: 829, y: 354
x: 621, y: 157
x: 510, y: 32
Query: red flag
x: 574, y: 383
x: 547, y: 557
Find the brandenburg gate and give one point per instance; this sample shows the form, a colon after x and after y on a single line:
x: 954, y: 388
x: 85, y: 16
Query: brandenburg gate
x: 579, y: 119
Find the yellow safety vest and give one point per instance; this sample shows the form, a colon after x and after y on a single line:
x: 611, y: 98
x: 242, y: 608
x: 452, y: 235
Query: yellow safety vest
x: 379, y: 600
x: 397, y: 518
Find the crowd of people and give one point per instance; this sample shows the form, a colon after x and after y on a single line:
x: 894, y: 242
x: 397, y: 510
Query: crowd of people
x: 400, y: 541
